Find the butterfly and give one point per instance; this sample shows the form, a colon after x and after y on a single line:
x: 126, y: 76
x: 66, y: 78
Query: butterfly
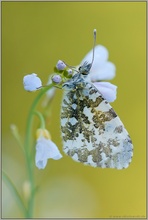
x: 92, y: 132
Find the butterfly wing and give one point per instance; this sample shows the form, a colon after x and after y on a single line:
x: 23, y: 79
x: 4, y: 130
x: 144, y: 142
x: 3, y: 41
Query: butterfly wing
x: 92, y: 132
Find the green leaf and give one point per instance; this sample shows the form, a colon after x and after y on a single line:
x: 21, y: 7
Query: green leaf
x: 17, y: 136
x: 16, y: 194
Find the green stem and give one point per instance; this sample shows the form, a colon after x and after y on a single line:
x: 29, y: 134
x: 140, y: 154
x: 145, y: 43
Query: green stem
x: 41, y: 119
x: 28, y: 149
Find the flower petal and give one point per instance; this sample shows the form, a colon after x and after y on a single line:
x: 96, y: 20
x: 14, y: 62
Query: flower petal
x: 107, y: 90
x: 40, y: 157
x: 101, y: 68
x: 101, y: 55
x: 45, y: 149
x: 31, y: 82
x: 106, y: 71
x: 54, y: 152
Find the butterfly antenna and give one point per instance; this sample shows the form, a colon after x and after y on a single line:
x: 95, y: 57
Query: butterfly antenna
x: 95, y: 34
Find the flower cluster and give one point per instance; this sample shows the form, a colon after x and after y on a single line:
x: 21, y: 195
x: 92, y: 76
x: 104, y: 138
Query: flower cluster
x: 101, y: 69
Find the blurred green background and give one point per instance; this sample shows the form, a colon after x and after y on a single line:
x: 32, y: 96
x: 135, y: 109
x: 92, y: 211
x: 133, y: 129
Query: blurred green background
x: 35, y: 35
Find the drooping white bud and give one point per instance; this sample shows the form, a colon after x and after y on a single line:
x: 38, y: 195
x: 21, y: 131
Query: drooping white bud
x: 32, y: 82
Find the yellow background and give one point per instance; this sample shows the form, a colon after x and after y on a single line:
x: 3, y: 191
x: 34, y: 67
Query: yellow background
x: 35, y: 35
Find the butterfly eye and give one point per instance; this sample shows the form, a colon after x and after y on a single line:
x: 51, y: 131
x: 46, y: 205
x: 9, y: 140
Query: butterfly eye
x: 80, y: 68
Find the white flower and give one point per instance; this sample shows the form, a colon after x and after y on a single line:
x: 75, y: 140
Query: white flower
x: 107, y: 90
x: 45, y: 149
x: 32, y: 82
x: 101, y: 69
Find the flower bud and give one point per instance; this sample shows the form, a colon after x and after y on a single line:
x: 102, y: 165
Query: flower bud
x: 69, y: 72
x: 60, y: 65
x: 56, y: 79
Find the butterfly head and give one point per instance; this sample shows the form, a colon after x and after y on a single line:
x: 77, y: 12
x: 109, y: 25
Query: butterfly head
x: 85, y: 68
x: 78, y: 80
